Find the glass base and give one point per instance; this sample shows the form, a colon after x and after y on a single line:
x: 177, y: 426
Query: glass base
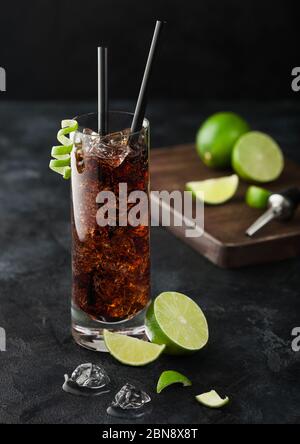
x: 89, y: 333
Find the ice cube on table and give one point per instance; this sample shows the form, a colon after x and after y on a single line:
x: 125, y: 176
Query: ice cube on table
x: 130, y: 398
x: 90, y: 376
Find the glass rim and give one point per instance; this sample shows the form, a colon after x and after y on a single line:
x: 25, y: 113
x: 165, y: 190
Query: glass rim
x: 146, y: 122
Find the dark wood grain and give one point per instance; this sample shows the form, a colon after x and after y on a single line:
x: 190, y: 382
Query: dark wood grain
x: 224, y: 241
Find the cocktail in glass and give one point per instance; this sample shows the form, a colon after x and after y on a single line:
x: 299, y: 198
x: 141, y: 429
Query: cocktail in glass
x: 110, y: 263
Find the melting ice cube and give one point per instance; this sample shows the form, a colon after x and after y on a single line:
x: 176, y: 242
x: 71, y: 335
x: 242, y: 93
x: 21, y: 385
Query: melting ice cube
x: 130, y: 398
x: 87, y: 379
x: 90, y: 375
x: 129, y: 403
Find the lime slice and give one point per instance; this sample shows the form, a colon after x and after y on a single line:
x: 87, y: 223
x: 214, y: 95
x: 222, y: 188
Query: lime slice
x: 257, y: 197
x: 61, y: 153
x: 170, y: 377
x: 214, y: 191
x: 212, y: 400
x: 256, y: 156
x: 177, y: 321
x: 131, y: 351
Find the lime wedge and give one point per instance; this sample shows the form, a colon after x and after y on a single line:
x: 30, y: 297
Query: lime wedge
x: 212, y: 400
x: 131, y: 351
x: 257, y: 197
x: 214, y: 191
x: 256, y: 156
x: 170, y: 377
x: 177, y: 321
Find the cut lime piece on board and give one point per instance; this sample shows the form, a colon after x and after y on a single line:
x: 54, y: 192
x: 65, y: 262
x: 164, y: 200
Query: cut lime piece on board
x: 257, y: 157
x: 131, y: 351
x: 257, y: 197
x: 170, y: 377
x: 214, y: 191
x: 178, y: 322
x: 212, y: 400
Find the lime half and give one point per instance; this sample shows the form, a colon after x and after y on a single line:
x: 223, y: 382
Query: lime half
x: 178, y: 322
x: 256, y: 156
x: 131, y: 351
x: 214, y: 191
x: 212, y: 400
x: 257, y: 197
x: 170, y: 377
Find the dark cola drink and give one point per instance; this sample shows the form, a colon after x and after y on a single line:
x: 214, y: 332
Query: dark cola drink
x: 110, y: 264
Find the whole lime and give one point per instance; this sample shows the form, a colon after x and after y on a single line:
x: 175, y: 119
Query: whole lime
x: 217, y: 136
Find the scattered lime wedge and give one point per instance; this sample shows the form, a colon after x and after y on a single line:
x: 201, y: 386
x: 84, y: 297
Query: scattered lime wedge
x: 257, y: 197
x: 170, y: 377
x: 214, y: 191
x: 212, y: 400
x: 256, y: 156
x: 178, y: 322
x: 131, y: 351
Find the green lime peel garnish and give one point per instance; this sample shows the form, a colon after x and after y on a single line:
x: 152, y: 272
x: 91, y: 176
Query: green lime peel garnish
x: 61, y: 163
x: 170, y: 377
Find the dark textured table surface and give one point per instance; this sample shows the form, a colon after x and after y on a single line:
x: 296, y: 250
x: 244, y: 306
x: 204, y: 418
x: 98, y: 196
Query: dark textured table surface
x: 251, y: 311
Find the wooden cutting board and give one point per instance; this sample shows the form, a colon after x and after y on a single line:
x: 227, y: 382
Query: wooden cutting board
x: 224, y: 241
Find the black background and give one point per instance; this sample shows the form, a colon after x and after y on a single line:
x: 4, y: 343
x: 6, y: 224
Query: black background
x: 225, y: 49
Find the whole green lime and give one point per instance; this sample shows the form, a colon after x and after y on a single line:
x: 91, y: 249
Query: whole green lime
x: 217, y: 136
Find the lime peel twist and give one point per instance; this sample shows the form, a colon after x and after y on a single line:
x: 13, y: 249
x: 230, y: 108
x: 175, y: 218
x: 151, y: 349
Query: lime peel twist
x: 61, y: 163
